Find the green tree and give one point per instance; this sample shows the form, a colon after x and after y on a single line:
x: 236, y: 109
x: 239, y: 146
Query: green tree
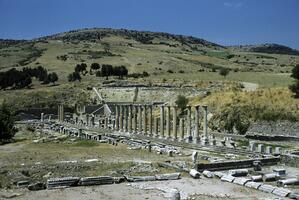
x: 53, y: 77
x: 224, y: 72
x: 181, y: 102
x: 295, y: 86
x: 7, y: 120
x: 74, y: 77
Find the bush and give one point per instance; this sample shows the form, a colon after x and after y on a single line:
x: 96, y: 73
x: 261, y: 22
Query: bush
x: 295, y: 87
x: 181, y: 102
x: 224, y: 72
x: 7, y: 120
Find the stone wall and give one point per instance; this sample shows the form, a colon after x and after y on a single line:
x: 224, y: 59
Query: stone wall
x: 275, y: 128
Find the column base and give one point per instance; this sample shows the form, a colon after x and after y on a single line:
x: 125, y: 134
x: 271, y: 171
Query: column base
x: 196, y: 140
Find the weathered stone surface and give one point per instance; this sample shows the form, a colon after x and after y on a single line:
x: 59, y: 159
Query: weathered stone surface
x: 96, y: 180
x: 294, y: 195
x: 266, y: 188
x: 238, y: 172
x: 219, y: 174
x: 37, y: 186
x: 175, y: 194
x: 22, y: 183
x: 227, y: 178
x: 252, y: 184
x: 208, y: 174
x: 281, y: 192
x: 241, y: 181
x: 62, y: 182
x: 194, y: 173
x: 171, y: 176
x: 257, y: 178
x: 270, y: 177
x: 140, y: 178
x: 290, y: 181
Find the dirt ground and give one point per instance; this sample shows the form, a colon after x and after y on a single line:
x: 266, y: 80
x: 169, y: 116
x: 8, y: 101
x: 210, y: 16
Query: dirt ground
x: 206, y: 189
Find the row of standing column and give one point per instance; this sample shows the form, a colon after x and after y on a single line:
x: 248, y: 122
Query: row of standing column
x: 139, y: 119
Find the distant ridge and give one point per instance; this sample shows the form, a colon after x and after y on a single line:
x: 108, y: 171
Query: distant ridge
x: 267, y: 48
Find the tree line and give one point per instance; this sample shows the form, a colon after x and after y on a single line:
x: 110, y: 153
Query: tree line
x: 21, y: 79
x: 104, y: 70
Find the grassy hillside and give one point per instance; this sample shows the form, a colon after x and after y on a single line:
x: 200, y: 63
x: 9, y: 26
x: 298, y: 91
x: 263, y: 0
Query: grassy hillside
x: 167, y: 58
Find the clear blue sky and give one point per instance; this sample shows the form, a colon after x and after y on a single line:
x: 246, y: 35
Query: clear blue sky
x: 227, y: 22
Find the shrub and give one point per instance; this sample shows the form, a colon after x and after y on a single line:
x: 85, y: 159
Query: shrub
x: 7, y: 120
x: 181, y: 102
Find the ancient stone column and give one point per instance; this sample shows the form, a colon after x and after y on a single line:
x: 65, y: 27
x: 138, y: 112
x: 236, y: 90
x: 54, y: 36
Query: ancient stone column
x: 189, y: 136
x: 130, y: 118
x: 196, y: 124
x: 156, y: 126
x: 135, y: 119
x: 87, y: 119
x: 150, y: 125
x: 42, y: 117
x: 121, y: 118
x: 181, y: 126
x: 174, y: 123
x: 106, y: 123
x: 144, y: 119
x: 205, y: 124
x: 139, y: 118
x: 167, y: 121
x: 125, y: 128
x: 92, y: 121
x: 162, y: 121
x: 116, y: 117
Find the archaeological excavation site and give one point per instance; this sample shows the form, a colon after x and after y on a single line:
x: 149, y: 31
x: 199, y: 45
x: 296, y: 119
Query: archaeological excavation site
x: 149, y: 100
x: 143, y: 150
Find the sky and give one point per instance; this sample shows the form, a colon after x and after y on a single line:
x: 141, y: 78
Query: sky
x: 226, y: 22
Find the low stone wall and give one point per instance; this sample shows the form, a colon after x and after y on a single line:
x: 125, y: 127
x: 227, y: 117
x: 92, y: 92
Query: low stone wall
x: 290, y: 160
x: 285, y: 128
x: 226, y: 165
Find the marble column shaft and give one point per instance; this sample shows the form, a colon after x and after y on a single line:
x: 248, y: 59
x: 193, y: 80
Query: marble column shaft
x: 174, y: 122
x: 162, y: 121
x: 168, y: 121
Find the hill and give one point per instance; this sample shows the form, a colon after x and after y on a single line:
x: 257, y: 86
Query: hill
x: 167, y: 58
x: 268, y: 48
